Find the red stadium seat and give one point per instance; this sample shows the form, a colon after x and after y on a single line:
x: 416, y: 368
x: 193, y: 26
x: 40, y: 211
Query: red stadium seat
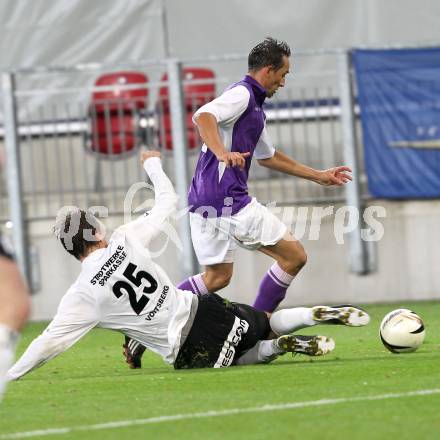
x: 113, y: 134
x: 114, y: 113
x: 195, y: 95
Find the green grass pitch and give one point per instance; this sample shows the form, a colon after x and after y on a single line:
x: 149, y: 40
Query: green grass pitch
x: 90, y: 385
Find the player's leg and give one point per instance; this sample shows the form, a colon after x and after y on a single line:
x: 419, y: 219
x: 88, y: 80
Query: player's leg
x: 217, y: 276
x: 258, y: 228
x: 287, y: 321
x: 14, y: 311
x: 346, y: 314
x: 214, y: 278
x: 225, y: 333
x: 256, y: 347
x: 290, y: 259
x: 268, y: 350
x: 14, y: 298
x: 214, y: 250
x: 214, y: 336
x: 291, y: 320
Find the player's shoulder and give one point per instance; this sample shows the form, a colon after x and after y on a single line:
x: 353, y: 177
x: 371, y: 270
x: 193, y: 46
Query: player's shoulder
x: 237, y: 91
x: 118, y: 233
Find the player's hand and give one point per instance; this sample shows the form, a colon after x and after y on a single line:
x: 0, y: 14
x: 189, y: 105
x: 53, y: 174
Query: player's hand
x: 335, y: 176
x: 147, y: 154
x: 234, y: 159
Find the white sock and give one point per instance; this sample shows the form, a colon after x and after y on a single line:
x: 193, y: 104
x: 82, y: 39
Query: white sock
x: 290, y: 320
x: 8, y: 340
x: 262, y: 352
x: 279, y: 274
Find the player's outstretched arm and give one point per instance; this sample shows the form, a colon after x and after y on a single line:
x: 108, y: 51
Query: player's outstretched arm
x: 145, y: 228
x: 285, y: 164
x: 75, y: 317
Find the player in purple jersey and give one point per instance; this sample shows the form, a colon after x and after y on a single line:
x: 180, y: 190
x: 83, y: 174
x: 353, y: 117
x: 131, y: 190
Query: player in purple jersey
x: 223, y: 215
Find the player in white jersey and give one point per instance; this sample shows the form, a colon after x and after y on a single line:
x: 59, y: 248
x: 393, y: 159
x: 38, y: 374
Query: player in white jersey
x: 121, y: 288
x: 14, y: 310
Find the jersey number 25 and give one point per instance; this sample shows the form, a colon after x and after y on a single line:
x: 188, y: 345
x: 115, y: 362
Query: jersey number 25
x: 135, y: 278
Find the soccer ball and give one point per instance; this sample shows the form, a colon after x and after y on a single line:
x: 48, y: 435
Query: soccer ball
x: 402, y: 331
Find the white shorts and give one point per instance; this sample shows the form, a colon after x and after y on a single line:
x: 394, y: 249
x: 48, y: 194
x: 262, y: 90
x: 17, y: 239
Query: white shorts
x: 215, y: 239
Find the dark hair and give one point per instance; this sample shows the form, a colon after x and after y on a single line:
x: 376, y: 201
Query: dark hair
x: 269, y: 52
x: 76, y: 231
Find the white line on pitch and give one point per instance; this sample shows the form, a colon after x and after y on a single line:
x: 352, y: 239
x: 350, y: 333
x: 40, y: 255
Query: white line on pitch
x: 226, y: 412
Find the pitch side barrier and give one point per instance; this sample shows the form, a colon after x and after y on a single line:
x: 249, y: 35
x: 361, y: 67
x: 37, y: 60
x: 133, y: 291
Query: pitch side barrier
x: 55, y: 118
x: 66, y: 145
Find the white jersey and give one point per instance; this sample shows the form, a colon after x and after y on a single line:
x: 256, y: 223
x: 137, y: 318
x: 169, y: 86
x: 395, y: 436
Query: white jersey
x: 121, y: 288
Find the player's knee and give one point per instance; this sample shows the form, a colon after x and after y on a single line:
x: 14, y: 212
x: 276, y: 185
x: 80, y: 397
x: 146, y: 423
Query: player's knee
x: 222, y: 281
x: 296, y: 261
x: 218, y: 281
x: 301, y: 259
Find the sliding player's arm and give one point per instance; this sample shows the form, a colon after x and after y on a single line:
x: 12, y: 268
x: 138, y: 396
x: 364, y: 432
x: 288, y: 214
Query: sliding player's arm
x: 76, y: 315
x: 147, y: 227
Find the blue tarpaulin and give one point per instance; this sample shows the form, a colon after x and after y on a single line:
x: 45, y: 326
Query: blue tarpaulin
x: 399, y: 99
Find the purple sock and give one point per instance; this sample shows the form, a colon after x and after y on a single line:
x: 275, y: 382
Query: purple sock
x: 272, y: 289
x: 185, y: 285
x: 194, y: 284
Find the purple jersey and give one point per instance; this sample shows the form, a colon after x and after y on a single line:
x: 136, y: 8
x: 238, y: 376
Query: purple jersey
x: 241, y: 121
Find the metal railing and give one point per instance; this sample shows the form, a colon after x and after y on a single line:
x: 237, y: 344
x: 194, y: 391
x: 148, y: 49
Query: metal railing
x: 55, y: 132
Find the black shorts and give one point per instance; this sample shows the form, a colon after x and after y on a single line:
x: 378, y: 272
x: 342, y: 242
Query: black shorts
x: 221, y: 332
x: 3, y: 251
